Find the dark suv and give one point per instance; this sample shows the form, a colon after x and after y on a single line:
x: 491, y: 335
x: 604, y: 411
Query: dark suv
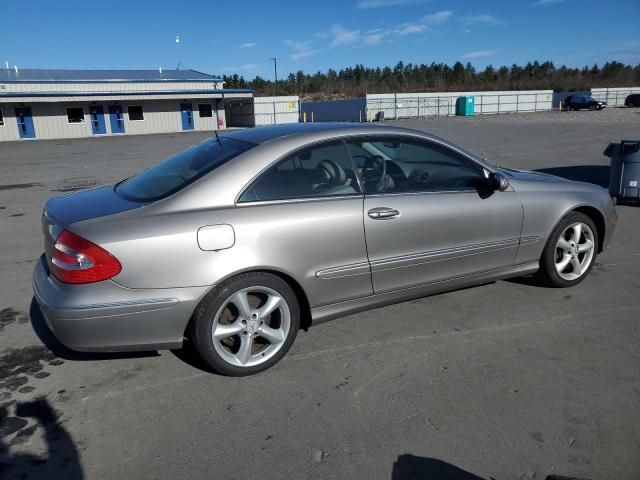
x: 632, y: 100
x: 582, y: 102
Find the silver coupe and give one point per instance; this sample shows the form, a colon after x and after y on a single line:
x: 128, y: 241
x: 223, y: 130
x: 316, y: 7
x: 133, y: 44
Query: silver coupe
x: 238, y: 242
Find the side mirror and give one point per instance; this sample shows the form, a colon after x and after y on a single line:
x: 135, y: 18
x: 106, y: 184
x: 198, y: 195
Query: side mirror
x: 498, y: 181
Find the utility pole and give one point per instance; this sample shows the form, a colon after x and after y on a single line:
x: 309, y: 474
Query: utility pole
x: 275, y: 72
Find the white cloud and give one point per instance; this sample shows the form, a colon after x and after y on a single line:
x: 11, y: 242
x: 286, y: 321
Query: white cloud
x: 437, y: 18
x: 248, y: 45
x: 409, y: 29
x: 373, y: 39
x: 539, y: 3
x: 340, y: 36
x: 388, y: 3
x: 482, y: 19
x: 479, y: 54
x: 301, y: 50
x: 249, y: 66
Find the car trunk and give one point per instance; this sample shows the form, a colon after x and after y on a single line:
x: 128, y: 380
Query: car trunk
x: 63, y: 211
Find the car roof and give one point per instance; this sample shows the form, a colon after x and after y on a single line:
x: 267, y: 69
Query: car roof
x: 308, y: 132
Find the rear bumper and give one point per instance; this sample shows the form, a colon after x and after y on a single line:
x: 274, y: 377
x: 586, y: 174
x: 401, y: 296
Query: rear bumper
x: 106, y: 317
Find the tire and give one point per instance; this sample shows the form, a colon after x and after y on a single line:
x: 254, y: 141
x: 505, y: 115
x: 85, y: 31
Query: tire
x: 233, y: 311
x: 554, y: 256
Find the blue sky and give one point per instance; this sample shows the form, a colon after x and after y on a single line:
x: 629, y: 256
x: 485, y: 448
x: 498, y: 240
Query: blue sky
x: 240, y: 37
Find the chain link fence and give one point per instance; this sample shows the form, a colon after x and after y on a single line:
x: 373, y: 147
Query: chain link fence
x: 394, y: 106
x: 614, y: 97
x: 251, y: 112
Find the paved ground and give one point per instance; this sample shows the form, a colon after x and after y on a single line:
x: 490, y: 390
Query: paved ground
x: 508, y: 380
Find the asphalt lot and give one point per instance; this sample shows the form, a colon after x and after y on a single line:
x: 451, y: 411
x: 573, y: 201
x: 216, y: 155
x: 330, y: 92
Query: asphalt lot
x: 508, y: 380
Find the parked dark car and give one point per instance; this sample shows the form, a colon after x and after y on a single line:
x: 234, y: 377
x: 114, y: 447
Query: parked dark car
x: 632, y: 100
x: 582, y: 102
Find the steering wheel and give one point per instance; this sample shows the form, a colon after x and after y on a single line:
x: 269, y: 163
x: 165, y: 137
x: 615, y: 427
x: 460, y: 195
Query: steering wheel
x: 377, y: 166
x: 320, y: 187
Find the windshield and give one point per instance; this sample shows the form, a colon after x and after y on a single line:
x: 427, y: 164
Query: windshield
x: 175, y: 173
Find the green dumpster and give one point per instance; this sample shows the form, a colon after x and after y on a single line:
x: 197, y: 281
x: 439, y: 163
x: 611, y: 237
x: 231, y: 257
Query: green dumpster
x: 465, y: 106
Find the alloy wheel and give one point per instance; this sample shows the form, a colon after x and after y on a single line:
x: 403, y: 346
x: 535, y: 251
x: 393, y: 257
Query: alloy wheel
x: 251, y: 326
x: 574, y: 251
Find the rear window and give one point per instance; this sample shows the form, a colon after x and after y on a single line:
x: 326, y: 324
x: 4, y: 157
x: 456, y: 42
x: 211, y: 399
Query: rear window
x: 175, y: 173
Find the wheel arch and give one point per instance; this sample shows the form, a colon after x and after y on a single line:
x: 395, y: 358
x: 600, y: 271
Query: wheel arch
x: 598, y: 219
x: 301, y: 295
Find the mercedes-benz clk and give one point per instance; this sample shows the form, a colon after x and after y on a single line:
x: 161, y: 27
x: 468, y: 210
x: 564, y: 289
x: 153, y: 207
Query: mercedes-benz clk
x: 238, y: 242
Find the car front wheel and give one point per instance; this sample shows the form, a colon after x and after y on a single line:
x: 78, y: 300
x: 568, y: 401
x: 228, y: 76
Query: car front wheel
x: 570, y: 251
x: 246, y: 324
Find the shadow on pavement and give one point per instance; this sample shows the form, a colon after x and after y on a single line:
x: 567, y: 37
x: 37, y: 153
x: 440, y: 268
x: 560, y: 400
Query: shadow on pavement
x: 61, y: 460
x: 532, y: 280
x: 189, y: 355
x: 598, y: 174
x: 410, y: 467
x: 49, y: 339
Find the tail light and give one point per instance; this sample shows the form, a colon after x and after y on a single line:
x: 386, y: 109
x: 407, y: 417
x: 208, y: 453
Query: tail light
x: 77, y: 260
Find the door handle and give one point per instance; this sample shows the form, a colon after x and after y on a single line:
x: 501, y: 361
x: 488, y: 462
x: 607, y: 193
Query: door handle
x: 383, y: 213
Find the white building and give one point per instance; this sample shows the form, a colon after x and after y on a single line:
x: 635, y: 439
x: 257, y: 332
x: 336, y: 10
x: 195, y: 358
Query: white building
x: 48, y: 103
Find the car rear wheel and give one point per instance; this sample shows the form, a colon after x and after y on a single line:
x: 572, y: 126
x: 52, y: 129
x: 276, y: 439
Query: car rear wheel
x: 570, y: 251
x: 247, y: 324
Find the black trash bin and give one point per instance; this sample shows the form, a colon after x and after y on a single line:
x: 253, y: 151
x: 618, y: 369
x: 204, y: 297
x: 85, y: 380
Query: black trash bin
x: 624, y: 171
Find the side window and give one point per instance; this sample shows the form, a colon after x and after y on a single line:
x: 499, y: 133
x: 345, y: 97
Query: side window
x: 135, y: 113
x: 396, y: 165
x: 320, y: 171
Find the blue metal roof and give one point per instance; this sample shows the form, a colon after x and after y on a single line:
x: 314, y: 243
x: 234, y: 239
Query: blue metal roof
x: 50, y: 75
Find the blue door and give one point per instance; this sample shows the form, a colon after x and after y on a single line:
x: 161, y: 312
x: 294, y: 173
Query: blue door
x: 116, y: 118
x: 96, y: 113
x: 187, y: 116
x: 25, y: 123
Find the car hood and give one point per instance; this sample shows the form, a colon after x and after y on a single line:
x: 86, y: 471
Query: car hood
x: 96, y: 202
x: 523, y: 180
x: 537, y: 176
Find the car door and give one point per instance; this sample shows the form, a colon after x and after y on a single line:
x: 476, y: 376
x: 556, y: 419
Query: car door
x: 304, y: 215
x: 429, y: 215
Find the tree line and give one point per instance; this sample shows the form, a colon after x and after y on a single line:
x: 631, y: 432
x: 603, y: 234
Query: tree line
x: 439, y: 77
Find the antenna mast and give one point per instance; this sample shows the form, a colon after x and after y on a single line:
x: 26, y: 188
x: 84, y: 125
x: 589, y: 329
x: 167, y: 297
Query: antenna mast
x: 180, y: 64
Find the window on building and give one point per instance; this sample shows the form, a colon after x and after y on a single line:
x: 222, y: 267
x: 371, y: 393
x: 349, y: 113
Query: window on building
x: 321, y: 171
x: 205, y: 110
x: 1, y: 118
x: 75, y: 114
x: 135, y: 113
